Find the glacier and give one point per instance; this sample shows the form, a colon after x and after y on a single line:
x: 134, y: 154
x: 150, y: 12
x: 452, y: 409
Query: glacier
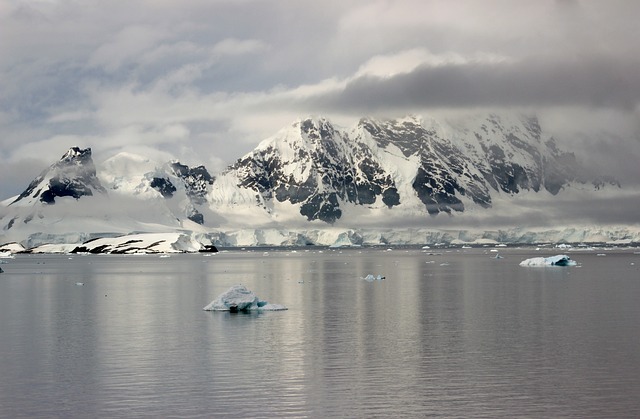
x: 188, y: 241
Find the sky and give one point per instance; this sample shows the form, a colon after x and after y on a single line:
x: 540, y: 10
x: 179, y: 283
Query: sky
x: 204, y: 81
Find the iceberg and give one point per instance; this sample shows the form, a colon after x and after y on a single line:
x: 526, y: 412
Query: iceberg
x: 558, y: 260
x: 371, y: 278
x: 239, y: 298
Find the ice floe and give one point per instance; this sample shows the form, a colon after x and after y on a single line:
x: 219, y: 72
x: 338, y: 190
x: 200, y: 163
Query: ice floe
x: 558, y: 260
x: 239, y: 298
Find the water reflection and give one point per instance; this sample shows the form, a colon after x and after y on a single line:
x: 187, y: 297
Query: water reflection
x: 452, y: 334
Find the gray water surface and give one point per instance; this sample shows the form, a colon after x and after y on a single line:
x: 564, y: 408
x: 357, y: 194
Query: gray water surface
x: 457, y: 334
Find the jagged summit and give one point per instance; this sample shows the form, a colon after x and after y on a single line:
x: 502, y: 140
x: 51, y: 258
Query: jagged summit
x: 73, y: 175
x: 77, y: 155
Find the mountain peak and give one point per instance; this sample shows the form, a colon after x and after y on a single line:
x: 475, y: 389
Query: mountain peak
x: 73, y: 175
x: 316, y: 120
x: 316, y: 128
x: 77, y: 154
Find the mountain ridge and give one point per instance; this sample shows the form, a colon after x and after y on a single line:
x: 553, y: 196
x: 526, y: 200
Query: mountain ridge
x: 320, y: 168
x: 310, y: 174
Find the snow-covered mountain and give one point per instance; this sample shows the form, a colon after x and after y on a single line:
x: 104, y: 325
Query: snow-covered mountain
x: 183, y: 190
x: 411, y: 166
x: 311, y: 183
x: 75, y: 200
x: 73, y: 175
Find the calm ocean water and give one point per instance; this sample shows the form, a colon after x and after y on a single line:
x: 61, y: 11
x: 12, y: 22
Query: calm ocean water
x: 458, y: 334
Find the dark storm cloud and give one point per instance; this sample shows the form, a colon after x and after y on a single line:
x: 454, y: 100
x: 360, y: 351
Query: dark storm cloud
x: 596, y: 83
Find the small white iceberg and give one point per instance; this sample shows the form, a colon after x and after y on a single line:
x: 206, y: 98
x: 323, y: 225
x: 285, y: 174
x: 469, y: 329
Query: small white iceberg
x: 239, y: 298
x: 558, y: 260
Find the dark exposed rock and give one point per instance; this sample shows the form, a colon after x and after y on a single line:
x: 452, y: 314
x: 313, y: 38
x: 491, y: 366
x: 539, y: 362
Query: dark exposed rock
x: 196, y: 180
x: 196, y: 217
x: 209, y: 248
x: 164, y: 186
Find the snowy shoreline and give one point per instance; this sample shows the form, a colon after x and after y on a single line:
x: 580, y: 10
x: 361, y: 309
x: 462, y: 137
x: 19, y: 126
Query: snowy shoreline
x: 189, y: 242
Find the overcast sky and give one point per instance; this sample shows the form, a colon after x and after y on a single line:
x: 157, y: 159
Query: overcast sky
x: 205, y: 81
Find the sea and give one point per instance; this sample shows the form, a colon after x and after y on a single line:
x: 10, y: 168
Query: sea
x: 444, y: 332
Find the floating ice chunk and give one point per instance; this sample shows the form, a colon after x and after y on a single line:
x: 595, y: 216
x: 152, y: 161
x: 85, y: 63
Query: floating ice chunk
x: 239, y: 298
x: 558, y: 260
